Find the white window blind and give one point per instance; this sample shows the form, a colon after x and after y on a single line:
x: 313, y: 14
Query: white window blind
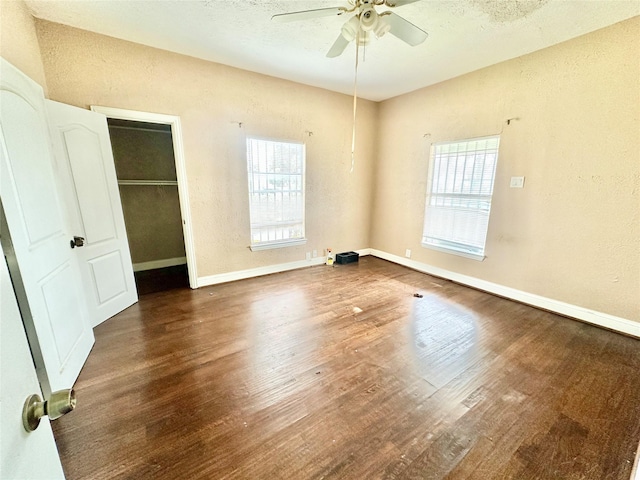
x: 459, y: 195
x: 276, y: 192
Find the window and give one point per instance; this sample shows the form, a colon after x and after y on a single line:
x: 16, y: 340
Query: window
x: 459, y: 194
x: 276, y: 193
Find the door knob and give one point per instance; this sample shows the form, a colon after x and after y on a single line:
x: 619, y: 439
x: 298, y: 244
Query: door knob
x: 77, y: 242
x: 59, y: 404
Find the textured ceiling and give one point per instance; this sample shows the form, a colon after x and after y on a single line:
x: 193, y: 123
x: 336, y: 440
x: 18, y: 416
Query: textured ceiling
x: 464, y: 35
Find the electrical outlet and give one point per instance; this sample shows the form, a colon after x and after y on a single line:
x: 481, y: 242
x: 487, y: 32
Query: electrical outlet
x: 517, y: 182
x: 308, y: 255
x: 407, y: 253
x: 314, y: 254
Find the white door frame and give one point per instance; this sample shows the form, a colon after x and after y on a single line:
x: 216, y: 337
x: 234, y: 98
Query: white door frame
x: 181, y: 172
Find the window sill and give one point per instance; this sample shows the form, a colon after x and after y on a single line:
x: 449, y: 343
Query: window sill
x: 460, y: 253
x: 269, y: 246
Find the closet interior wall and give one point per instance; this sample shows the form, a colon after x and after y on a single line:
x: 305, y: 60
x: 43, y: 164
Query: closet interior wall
x: 145, y: 167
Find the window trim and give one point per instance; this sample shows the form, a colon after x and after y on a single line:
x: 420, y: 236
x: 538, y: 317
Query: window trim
x: 281, y: 244
x: 452, y: 249
x: 291, y: 242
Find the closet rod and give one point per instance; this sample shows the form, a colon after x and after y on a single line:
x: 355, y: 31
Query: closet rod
x: 140, y: 129
x: 148, y: 182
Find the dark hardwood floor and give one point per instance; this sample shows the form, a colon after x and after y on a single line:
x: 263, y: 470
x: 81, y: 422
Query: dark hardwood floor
x: 161, y: 279
x: 340, y: 372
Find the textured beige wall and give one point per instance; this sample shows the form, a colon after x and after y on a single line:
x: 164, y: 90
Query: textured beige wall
x: 142, y: 154
x: 152, y: 217
x: 83, y: 68
x: 573, y: 233
x: 18, y: 40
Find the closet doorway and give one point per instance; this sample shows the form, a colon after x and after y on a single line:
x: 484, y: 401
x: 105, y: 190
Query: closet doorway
x: 147, y: 151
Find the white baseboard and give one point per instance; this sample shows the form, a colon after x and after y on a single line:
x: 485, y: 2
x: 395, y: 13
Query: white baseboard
x: 611, y: 322
x: 268, y: 270
x: 166, y: 262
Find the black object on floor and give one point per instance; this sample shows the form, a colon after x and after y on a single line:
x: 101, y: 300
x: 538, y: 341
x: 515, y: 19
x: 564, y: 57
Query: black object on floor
x: 347, y: 257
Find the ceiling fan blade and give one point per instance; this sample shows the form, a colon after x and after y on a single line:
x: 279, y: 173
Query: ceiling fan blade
x: 405, y: 30
x: 308, y: 14
x: 399, y: 3
x: 338, y: 47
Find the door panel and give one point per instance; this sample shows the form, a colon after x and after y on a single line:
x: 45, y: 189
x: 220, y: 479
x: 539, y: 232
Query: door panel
x: 92, y: 197
x: 109, y: 277
x: 54, y: 308
x: 62, y: 305
x: 29, y: 176
x: 19, y: 449
x: 87, y: 177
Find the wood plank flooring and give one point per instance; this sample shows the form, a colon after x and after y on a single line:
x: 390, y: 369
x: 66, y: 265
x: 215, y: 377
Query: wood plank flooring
x: 342, y: 373
x: 161, y: 279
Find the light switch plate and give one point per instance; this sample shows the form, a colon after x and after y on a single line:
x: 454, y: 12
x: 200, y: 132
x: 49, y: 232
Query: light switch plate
x: 517, y: 182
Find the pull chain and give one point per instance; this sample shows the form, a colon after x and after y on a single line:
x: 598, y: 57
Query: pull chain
x: 355, y: 105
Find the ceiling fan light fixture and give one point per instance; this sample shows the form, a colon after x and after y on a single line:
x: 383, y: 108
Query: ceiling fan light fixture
x: 350, y: 29
x: 381, y: 28
x: 368, y: 19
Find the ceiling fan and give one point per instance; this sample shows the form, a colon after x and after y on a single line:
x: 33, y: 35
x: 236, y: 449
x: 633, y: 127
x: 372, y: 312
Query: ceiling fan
x: 365, y: 22
x: 359, y: 27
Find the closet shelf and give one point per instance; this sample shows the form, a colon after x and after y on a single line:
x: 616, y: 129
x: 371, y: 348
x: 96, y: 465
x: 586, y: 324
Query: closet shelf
x: 148, y: 182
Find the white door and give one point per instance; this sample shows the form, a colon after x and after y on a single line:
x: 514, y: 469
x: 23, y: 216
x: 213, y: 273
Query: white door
x: 89, y: 188
x: 22, y: 455
x: 53, y: 307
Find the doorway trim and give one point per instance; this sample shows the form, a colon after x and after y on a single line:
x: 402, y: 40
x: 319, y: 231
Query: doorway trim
x: 181, y: 172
